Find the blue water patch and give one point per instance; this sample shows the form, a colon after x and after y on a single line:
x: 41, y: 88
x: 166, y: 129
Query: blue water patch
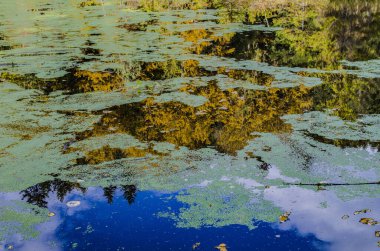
x: 124, y: 226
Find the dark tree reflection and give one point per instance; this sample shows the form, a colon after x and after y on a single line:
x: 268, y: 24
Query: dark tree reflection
x: 109, y: 193
x: 40, y: 193
x: 129, y: 193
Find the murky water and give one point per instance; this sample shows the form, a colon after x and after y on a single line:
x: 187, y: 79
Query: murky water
x: 177, y: 131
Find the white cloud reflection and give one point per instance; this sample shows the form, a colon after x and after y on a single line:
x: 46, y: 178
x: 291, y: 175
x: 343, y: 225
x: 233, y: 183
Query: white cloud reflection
x: 320, y: 213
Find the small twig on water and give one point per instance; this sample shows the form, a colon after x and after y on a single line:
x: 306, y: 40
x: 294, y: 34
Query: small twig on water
x: 335, y: 184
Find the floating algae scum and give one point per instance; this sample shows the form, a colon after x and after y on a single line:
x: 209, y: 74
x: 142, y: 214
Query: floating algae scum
x: 132, y: 130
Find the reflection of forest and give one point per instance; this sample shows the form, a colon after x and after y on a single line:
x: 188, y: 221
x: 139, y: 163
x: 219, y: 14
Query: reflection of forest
x: 315, y: 36
x: 226, y: 121
x: 347, y: 96
x: 40, y: 194
x: 75, y: 81
x: 229, y: 118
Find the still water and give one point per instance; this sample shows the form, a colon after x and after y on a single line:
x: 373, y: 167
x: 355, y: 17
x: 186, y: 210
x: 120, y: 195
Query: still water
x: 179, y: 130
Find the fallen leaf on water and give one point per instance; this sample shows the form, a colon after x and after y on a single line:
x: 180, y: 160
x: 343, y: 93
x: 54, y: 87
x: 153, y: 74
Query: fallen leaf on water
x: 377, y: 233
x: 368, y: 221
x: 222, y: 247
x: 51, y: 214
x: 364, y: 211
x: 284, y: 217
x: 196, y: 245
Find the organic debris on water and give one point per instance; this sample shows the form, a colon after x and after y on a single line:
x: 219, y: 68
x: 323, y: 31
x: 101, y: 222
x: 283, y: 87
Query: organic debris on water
x: 364, y: 211
x: 196, y: 245
x: 368, y: 221
x: 222, y: 247
x: 285, y: 217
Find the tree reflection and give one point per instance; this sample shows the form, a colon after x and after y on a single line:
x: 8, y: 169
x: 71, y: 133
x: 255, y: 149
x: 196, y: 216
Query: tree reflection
x: 225, y: 122
x: 129, y: 193
x: 40, y: 194
x: 75, y: 81
x: 314, y: 35
x: 347, y: 96
x: 229, y: 118
x: 109, y: 193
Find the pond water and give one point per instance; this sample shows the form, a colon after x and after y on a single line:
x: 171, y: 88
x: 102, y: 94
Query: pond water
x: 176, y: 130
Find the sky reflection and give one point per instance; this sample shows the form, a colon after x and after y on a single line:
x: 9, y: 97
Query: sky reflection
x: 315, y: 223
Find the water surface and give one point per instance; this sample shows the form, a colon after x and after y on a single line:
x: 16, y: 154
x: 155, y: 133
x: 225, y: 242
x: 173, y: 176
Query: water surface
x: 178, y: 131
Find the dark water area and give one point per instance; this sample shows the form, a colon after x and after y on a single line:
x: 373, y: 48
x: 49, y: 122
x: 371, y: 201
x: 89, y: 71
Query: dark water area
x: 205, y: 129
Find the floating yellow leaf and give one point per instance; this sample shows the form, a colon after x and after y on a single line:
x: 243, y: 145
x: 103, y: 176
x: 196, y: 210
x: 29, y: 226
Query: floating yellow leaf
x: 51, y: 214
x: 377, y: 233
x: 222, y: 247
x: 285, y: 217
x: 368, y: 221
